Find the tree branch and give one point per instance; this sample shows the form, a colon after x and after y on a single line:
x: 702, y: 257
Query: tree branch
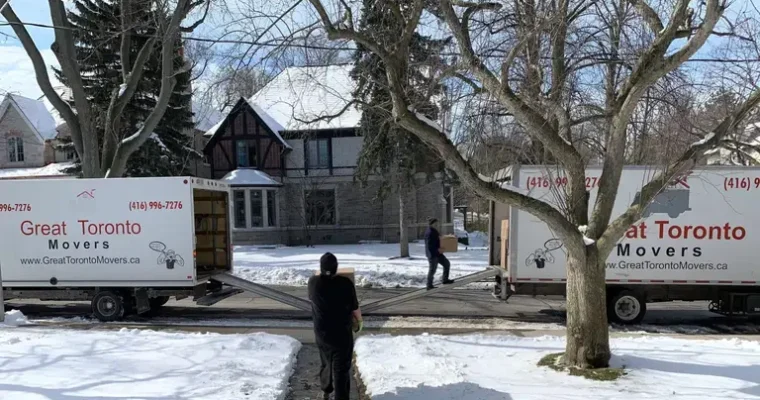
x: 648, y: 14
x: 197, y: 23
x: 617, y: 228
x: 346, y: 34
x: 41, y: 74
x: 168, y: 40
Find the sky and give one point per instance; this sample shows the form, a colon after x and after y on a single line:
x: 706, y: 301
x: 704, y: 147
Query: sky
x: 16, y: 72
x: 17, y: 75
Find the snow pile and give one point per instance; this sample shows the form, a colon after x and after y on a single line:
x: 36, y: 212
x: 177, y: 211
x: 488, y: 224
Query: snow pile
x: 67, y: 364
x: 54, y: 170
x: 14, y: 318
x: 484, y: 367
x: 373, y: 264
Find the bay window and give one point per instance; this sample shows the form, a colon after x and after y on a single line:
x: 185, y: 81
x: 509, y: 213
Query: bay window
x: 254, y: 208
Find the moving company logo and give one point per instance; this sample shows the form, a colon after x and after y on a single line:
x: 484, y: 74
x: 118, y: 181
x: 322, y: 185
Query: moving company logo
x: 541, y: 256
x: 167, y: 257
x: 87, y: 194
x: 672, y: 201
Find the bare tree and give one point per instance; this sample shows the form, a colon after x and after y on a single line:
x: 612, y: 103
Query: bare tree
x: 532, y: 57
x: 111, y: 159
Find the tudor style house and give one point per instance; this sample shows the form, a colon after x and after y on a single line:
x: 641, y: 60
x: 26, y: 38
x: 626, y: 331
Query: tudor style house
x: 289, y: 153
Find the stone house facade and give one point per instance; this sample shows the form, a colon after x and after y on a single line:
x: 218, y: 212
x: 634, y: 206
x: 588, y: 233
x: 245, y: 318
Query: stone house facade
x: 290, y: 153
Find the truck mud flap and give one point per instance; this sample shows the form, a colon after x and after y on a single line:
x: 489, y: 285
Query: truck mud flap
x: 215, y: 297
x: 263, y: 291
x: 416, y: 294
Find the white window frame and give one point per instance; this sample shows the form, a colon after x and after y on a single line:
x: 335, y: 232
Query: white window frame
x: 13, y: 143
x: 265, y: 209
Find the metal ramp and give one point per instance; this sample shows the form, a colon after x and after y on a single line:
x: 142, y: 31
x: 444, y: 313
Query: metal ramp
x: 416, y: 294
x: 262, y: 290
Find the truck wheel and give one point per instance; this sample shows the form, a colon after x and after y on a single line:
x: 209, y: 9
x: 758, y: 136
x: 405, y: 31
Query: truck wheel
x: 626, y: 307
x: 108, y: 306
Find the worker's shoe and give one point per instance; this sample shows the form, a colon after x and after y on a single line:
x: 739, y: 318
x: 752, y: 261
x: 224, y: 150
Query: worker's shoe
x: 429, y: 287
x: 448, y: 281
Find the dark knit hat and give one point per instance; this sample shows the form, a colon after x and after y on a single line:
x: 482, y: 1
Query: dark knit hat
x: 431, y: 221
x: 328, y: 264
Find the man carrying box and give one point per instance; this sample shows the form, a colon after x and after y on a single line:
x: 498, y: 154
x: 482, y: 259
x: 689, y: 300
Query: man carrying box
x: 435, y: 255
x: 336, y: 313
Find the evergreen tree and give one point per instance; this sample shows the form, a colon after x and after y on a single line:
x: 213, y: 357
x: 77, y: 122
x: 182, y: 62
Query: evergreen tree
x: 389, y: 150
x: 97, y: 25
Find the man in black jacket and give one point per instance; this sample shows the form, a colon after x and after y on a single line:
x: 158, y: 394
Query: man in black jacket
x: 336, y: 313
x: 434, y: 254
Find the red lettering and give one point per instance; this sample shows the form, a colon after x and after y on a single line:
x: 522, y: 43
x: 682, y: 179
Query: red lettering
x: 29, y: 228
x: 666, y: 230
x: 109, y: 228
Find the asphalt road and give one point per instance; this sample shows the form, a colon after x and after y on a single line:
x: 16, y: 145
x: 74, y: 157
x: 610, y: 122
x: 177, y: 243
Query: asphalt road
x: 455, y: 303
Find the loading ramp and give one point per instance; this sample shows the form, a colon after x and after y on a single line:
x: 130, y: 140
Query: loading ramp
x: 238, y: 285
x: 416, y: 294
x: 263, y: 291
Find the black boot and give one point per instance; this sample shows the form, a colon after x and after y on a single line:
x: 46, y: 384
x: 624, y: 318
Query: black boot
x: 430, y: 287
x: 448, y: 281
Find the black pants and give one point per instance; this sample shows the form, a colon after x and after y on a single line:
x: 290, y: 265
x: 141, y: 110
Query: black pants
x: 335, y: 371
x: 433, y: 262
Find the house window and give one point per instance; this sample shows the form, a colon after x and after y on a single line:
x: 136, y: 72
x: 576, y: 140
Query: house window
x: 319, y: 153
x: 255, y: 208
x: 246, y: 153
x: 239, y: 208
x: 320, y: 207
x: 15, y: 149
x: 70, y: 155
x: 271, y: 208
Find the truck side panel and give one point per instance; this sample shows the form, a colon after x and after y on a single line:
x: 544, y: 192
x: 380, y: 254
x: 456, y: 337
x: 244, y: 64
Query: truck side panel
x: 96, y: 232
x: 702, y: 230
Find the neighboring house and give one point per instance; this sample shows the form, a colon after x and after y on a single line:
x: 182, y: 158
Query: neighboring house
x: 289, y: 153
x: 29, y: 141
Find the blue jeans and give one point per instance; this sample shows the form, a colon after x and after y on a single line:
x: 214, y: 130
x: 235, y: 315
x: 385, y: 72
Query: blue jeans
x: 433, y: 264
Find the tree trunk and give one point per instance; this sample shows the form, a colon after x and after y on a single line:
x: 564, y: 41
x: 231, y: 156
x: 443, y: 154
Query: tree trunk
x: 588, y: 341
x: 403, y: 229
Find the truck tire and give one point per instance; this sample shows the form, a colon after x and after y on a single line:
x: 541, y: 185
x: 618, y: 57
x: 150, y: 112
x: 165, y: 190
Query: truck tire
x: 626, y: 307
x: 108, y: 306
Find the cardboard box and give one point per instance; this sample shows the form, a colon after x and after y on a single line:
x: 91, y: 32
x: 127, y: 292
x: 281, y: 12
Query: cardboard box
x: 449, y: 244
x: 347, y: 272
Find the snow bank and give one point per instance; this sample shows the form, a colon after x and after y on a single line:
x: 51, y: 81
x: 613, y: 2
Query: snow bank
x: 374, y: 266
x: 14, y: 318
x: 66, y: 364
x: 484, y: 367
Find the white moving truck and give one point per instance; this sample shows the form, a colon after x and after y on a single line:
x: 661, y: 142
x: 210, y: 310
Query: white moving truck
x: 126, y: 245
x: 699, y: 240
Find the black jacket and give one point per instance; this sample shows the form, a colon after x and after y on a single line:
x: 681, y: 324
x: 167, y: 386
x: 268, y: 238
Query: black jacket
x: 432, y: 243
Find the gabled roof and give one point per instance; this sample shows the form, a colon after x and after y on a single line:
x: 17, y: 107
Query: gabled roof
x: 266, y: 119
x: 306, y: 99
x: 35, y: 114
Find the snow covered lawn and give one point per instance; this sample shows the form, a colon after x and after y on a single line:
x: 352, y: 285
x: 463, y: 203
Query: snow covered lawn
x: 481, y: 367
x: 292, y: 266
x: 53, y: 364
